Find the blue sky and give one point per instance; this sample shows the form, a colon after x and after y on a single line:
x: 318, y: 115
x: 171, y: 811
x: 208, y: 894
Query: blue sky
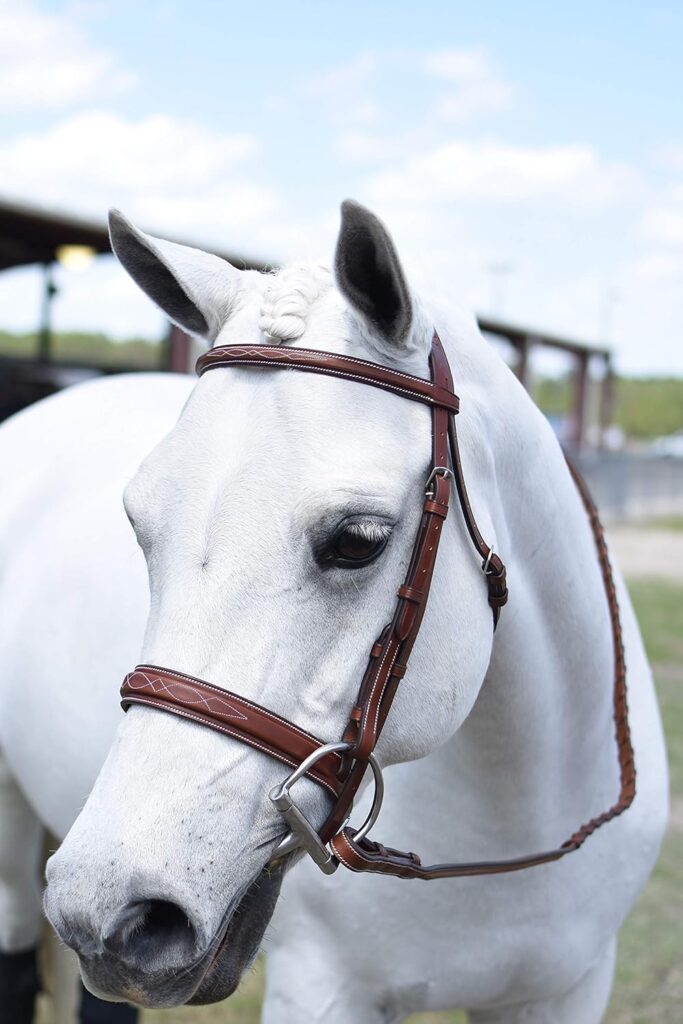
x: 547, y: 139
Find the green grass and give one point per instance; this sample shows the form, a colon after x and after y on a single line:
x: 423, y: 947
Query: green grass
x: 649, y: 980
x: 87, y: 347
x: 673, y: 523
x: 648, y: 987
x: 646, y: 407
x: 659, y: 607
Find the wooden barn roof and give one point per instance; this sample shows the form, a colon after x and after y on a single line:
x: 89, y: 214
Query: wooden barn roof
x: 31, y: 234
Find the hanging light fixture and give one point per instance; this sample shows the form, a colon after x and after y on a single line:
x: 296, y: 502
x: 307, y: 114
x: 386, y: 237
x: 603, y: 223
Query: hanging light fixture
x: 75, y: 257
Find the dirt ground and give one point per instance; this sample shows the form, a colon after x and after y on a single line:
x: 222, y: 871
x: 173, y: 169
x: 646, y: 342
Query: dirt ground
x: 643, y: 552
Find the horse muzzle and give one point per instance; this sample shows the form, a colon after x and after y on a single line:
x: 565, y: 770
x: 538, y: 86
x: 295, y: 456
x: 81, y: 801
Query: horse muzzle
x: 151, y: 954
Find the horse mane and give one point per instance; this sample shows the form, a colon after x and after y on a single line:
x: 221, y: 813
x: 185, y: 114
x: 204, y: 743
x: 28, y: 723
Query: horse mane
x: 288, y: 300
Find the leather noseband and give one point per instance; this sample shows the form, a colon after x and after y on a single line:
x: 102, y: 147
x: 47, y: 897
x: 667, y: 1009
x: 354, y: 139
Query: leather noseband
x: 340, y: 767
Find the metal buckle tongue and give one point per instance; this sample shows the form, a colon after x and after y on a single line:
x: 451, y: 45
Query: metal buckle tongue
x: 303, y: 835
x: 437, y: 471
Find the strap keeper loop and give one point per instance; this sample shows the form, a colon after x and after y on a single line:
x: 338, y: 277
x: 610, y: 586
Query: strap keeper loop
x: 411, y: 594
x: 435, y: 508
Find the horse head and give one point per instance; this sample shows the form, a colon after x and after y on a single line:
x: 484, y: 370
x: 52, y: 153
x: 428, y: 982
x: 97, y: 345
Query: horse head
x: 277, y: 520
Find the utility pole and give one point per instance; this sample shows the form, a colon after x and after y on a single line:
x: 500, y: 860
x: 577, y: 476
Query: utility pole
x: 609, y: 296
x: 45, y: 332
x: 499, y: 271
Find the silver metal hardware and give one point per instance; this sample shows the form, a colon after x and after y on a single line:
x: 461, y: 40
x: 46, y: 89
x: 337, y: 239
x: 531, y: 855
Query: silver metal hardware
x: 438, y: 471
x: 302, y: 834
x: 486, y: 564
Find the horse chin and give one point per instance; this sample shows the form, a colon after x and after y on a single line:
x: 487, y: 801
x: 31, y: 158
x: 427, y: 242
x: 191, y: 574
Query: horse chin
x: 233, y: 952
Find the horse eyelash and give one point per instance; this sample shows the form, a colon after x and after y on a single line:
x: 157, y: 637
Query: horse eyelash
x: 370, y: 530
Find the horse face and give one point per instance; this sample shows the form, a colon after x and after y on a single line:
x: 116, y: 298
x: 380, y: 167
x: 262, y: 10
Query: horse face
x: 277, y: 521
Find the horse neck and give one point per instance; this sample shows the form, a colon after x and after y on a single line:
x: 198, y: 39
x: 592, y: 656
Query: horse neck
x: 538, y: 747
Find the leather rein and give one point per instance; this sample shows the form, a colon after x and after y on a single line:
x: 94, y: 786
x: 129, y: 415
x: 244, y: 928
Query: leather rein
x: 340, y: 767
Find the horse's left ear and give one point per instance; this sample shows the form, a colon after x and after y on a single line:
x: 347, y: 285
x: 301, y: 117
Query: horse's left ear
x: 369, y: 274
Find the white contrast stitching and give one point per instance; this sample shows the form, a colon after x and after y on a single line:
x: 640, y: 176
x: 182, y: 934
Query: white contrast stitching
x: 386, y: 683
x: 333, y: 372
x: 271, y: 360
x: 374, y: 687
x: 284, y: 355
x: 159, y: 686
x: 243, y: 700
x: 357, y: 853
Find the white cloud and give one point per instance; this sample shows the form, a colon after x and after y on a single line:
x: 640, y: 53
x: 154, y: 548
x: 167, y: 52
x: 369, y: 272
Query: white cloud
x: 353, y: 75
x: 47, y: 61
x: 566, y: 216
x: 671, y: 157
x: 343, y: 93
x: 173, y: 173
x: 496, y: 171
x: 657, y: 266
x: 369, y: 147
x: 477, y: 86
x: 664, y: 225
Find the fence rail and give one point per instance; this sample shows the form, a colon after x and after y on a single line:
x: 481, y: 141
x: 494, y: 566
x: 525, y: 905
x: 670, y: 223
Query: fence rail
x: 631, y: 486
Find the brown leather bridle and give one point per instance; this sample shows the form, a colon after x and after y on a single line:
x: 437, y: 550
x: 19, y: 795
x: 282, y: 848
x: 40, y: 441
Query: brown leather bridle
x: 340, y: 767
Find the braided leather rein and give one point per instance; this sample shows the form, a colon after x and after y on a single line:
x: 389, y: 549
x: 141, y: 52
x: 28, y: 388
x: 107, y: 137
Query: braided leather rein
x: 339, y: 767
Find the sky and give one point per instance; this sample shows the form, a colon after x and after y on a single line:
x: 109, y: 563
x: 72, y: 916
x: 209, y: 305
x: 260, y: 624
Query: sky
x: 527, y: 157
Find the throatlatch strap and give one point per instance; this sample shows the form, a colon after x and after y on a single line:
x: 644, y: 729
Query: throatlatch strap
x: 371, y: 856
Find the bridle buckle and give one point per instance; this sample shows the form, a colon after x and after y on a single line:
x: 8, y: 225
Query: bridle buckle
x: 486, y: 564
x: 302, y: 834
x: 443, y: 471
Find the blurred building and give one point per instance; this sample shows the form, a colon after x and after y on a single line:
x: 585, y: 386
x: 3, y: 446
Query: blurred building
x: 34, y: 236
x: 625, y: 483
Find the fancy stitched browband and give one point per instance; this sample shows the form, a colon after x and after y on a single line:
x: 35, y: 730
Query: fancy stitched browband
x: 340, y: 767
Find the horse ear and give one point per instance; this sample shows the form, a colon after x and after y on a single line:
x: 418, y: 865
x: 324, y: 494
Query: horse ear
x: 195, y: 289
x: 369, y: 273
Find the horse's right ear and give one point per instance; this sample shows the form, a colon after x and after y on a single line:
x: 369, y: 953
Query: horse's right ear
x: 194, y: 288
x: 369, y: 274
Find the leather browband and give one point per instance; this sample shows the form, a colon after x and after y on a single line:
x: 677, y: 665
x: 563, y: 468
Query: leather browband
x: 341, y: 775
x: 332, y: 365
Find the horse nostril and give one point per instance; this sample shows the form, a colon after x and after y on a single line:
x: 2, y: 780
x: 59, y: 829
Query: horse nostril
x: 152, y: 932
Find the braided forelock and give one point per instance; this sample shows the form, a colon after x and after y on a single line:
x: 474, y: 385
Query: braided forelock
x: 287, y: 302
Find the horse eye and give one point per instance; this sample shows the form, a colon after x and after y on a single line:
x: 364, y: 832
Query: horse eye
x: 356, y: 544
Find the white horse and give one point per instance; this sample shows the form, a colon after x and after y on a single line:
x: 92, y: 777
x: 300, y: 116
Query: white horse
x: 162, y: 884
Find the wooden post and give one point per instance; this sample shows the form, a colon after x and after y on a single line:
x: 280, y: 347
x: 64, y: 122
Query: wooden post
x: 522, y: 368
x: 179, y: 349
x: 580, y: 401
x: 45, y: 331
x: 606, y: 399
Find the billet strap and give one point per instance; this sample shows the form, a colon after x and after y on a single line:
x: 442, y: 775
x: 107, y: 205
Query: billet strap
x: 227, y: 712
x: 371, y: 856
